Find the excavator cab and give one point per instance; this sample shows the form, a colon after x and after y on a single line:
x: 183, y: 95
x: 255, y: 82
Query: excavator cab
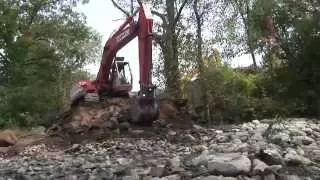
x: 122, y: 75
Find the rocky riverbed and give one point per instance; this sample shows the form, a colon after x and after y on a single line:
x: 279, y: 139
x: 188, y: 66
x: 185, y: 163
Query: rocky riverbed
x: 288, y: 150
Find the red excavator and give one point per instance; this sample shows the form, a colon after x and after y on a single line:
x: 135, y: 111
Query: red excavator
x: 114, y: 78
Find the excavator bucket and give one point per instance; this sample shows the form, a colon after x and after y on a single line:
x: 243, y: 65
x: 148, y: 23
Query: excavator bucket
x: 145, y: 109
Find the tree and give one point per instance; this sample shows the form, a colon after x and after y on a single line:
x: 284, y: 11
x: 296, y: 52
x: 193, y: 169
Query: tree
x: 243, y: 8
x: 201, y: 9
x: 170, y: 12
x: 42, y: 43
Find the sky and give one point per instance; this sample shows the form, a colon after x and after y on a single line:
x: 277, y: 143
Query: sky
x: 105, y: 18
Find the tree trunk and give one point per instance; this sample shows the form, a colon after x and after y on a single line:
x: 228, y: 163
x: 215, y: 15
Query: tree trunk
x: 170, y: 53
x: 200, y: 62
x: 249, y: 35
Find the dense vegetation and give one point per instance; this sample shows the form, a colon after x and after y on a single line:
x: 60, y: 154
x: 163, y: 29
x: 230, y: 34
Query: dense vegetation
x: 45, y: 43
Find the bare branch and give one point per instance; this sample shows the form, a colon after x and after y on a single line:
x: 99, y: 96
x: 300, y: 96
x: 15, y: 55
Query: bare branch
x: 161, y: 16
x: 118, y: 7
x: 180, y: 11
x: 140, y: 3
x: 158, y: 38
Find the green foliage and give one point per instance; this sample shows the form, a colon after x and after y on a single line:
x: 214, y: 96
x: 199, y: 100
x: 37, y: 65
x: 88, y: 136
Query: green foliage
x: 228, y: 93
x: 43, y: 43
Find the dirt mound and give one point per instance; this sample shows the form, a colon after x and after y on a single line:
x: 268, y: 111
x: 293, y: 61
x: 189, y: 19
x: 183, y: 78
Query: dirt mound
x: 94, y: 121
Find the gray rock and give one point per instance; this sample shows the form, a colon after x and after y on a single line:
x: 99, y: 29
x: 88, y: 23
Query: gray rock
x: 256, y: 122
x: 289, y: 177
x: 112, y: 123
x: 157, y: 171
x: 315, y: 155
x: 218, y: 131
x: 274, y: 168
x: 269, y: 177
x: 172, y: 133
x: 205, y: 138
x: 215, y: 178
x: 296, y: 132
x: 281, y: 138
x: 242, y: 135
x: 230, y: 164
x: 138, y: 131
x: 175, y: 162
x: 248, y: 126
x: 160, y: 122
x: 202, y: 159
x: 292, y: 157
x: 271, y: 156
x: 222, y: 138
x: 130, y: 178
x: 257, y: 137
x: 124, y: 161
x: 302, y: 140
x: 124, y: 126
x: 258, y: 166
x: 171, y: 177
x: 198, y: 127
x: 40, y: 130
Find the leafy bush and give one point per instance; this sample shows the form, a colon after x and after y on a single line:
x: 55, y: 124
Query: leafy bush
x: 235, y: 97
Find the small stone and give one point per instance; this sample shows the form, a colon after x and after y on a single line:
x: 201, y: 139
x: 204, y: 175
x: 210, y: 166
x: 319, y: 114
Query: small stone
x: 222, y: 139
x: 124, y: 161
x: 256, y: 122
x: 271, y: 156
x: 202, y: 159
x: 197, y: 127
x: 72, y: 177
x: 296, y: 132
x: 112, y: 123
x: 37, y: 168
x: 308, y: 131
x: 22, y: 170
x: 172, y: 133
x: 274, y: 168
x: 205, y: 138
x: 89, y: 165
x: 258, y: 166
x: 243, y: 136
x: 175, y: 162
x: 157, y: 171
x: 289, y: 177
x: 218, y: 131
x: 160, y: 123
x: 137, y: 131
x: 235, y: 130
x: 214, y: 178
x: 269, y: 177
x: 171, y: 177
x: 40, y: 130
x: 315, y: 155
x: 124, y: 126
x: 130, y: 178
x: 236, y: 141
x: 74, y: 148
x: 281, y: 138
x: 190, y: 138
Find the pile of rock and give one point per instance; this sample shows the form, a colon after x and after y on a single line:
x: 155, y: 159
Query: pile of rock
x: 254, y: 150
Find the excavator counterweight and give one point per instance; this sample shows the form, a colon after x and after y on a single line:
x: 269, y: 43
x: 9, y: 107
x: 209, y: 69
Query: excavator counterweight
x: 114, y: 78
